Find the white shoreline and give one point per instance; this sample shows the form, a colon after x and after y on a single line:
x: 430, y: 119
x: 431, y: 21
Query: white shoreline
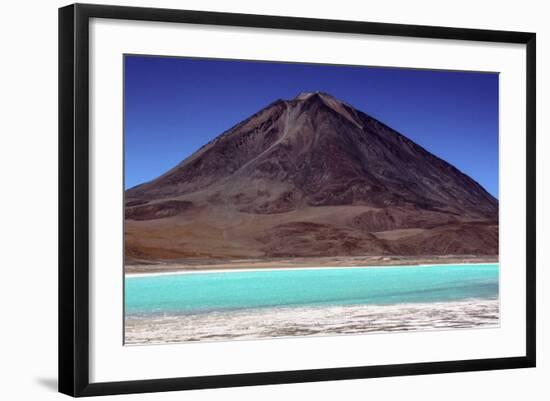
x: 306, y: 321
x: 245, y: 269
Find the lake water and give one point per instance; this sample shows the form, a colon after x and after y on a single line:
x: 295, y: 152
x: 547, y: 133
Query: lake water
x: 258, y: 304
x: 204, y: 292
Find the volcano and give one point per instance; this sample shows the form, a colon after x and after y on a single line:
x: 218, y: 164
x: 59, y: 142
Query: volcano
x: 309, y: 177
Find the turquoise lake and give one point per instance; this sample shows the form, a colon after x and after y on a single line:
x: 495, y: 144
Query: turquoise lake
x: 198, y: 293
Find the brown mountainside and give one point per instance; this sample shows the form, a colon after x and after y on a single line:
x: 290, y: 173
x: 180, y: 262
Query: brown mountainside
x: 311, y: 176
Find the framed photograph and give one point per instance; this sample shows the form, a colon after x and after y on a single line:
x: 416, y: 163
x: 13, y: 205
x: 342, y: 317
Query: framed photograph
x: 250, y: 199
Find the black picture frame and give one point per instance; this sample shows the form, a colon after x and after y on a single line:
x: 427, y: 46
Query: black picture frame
x: 74, y: 198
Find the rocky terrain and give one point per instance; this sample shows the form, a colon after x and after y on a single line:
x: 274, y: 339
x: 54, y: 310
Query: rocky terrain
x: 309, y: 177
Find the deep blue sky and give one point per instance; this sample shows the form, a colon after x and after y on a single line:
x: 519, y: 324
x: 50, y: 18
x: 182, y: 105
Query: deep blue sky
x: 173, y: 106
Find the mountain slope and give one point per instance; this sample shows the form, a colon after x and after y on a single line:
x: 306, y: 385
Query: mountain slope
x: 311, y: 176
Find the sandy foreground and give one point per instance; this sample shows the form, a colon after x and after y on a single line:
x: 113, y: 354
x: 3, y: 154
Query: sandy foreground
x: 238, y: 264
x: 311, y: 321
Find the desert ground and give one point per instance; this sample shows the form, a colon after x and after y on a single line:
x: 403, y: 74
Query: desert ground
x: 285, y: 263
